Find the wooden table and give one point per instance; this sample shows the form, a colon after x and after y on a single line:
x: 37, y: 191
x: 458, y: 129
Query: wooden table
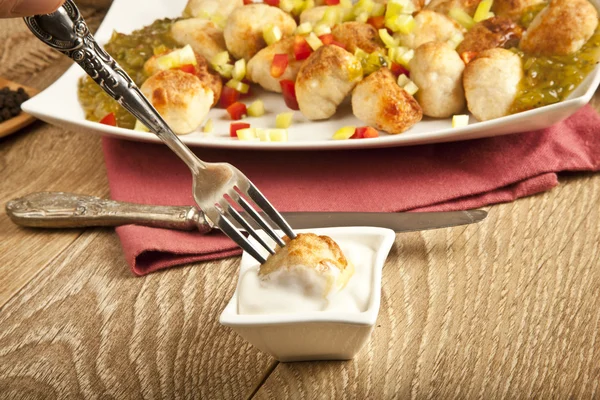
x: 509, y: 308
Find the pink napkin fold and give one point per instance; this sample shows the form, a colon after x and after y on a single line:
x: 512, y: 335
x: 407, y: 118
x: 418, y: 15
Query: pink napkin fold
x: 445, y: 176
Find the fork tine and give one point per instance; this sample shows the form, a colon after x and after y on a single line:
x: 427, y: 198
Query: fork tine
x: 264, y: 204
x: 236, y: 215
x: 259, y: 220
x: 234, y: 234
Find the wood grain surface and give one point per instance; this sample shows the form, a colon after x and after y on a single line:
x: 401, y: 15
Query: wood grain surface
x: 509, y: 308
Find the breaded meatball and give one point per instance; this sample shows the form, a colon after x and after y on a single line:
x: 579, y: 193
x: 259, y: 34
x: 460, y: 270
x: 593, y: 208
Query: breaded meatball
x: 437, y: 70
x: 180, y: 98
x: 378, y: 101
x: 491, y: 83
x: 430, y: 26
x: 210, y: 79
x: 561, y: 28
x: 491, y: 33
x: 355, y: 35
x: 206, y: 8
x: 324, y: 81
x: 313, y: 15
x: 259, y: 66
x: 244, y: 29
x: 203, y: 35
x: 444, y: 6
x: 513, y: 8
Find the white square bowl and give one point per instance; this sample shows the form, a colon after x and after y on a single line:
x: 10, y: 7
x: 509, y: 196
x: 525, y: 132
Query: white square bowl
x: 320, y: 335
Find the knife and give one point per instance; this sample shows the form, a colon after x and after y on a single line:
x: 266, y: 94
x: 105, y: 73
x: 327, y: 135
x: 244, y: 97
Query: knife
x: 68, y: 210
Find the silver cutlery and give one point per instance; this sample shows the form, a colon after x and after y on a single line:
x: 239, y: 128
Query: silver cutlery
x: 217, y: 186
x: 68, y: 210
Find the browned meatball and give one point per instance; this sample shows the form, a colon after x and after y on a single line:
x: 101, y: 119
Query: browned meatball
x: 491, y: 33
x: 355, y: 35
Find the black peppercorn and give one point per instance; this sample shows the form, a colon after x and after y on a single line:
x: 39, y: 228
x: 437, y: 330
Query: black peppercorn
x: 10, y: 102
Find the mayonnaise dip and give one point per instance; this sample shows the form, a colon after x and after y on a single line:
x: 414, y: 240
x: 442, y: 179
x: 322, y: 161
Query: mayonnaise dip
x: 300, y: 288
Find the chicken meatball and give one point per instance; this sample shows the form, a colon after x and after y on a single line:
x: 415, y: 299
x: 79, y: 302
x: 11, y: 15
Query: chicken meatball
x: 180, y: 98
x: 437, y: 70
x: 378, y: 101
x: 244, y: 29
x: 207, y: 8
x: 324, y: 81
x: 561, y: 28
x: 313, y: 15
x: 513, y: 8
x: 491, y: 33
x: 259, y: 66
x: 203, y: 35
x: 444, y: 6
x: 491, y: 83
x: 430, y: 26
x: 210, y: 79
x: 355, y: 35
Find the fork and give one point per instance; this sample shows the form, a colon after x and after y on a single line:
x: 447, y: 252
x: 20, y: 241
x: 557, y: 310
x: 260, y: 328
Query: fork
x: 218, y: 188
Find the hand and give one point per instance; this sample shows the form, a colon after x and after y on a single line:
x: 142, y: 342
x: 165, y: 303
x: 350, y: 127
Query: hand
x: 23, y: 8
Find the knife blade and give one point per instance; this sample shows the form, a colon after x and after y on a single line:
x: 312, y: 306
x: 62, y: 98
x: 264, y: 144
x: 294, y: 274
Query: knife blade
x: 68, y: 210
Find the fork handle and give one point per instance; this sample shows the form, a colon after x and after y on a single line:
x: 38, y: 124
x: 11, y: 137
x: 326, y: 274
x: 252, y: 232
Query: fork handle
x: 66, y: 31
x: 68, y: 210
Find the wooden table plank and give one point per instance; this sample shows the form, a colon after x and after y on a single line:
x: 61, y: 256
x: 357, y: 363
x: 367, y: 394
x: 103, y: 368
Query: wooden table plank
x: 505, y: 309
x: 86, y: 326
x: 40, y: 157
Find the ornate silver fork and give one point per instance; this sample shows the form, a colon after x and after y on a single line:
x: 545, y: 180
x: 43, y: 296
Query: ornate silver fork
x: 218, y: 187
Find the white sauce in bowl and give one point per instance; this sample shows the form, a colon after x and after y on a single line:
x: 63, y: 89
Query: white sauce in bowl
x: 300, y: 289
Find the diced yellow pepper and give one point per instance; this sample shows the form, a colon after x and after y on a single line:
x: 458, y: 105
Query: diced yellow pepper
x: 284, y: 120
x: 344, y: 133
x: 378, y: 10
x: 313, y: 41
x: 239, y: 86
x: 278, y: 135
x: 460, y: 121
x: 256, y: 109
x: 239, y: 70
x: 387, y: 39
x: 262, y: 135
x: 304, y: 28
x: 402, y: 23
x: 246, y: 134
x: 272, y: 34
x: 483, y: 10
x: 221, y: 58
x: 140, y: 127
x: 321, y: 29
x: 460, y: 16
x: 286, y: 5
x: 208, y: 126
x: 177, y: 58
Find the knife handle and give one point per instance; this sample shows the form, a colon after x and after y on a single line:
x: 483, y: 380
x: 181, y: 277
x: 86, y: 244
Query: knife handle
x: 68, y: 210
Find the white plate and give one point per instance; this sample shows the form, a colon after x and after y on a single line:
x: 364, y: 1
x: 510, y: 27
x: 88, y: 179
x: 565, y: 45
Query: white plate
x: 58, y: 105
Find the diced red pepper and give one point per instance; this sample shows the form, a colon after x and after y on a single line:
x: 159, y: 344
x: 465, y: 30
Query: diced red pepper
x: 237, y: 111
x: 301, y: 48
x: 398, y: 70
x: 289, y: 93
x: 189, y: 68
x: 332, y: 2
x: 228, y: 96
x: 326, y: 38
x: 246, y: 2
x: 365, y: 132
x: 109, y: 119
x: 272, y: 2
x: 377, y: 22
x: 236, y: 126
x: 336, y: 43
x: 279, y: 65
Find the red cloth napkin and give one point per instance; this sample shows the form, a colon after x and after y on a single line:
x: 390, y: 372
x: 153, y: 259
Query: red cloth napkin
x: 446, y: 176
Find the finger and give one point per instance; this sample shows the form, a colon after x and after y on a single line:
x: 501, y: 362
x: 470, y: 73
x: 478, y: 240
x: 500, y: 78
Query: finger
x: 22, y: 8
